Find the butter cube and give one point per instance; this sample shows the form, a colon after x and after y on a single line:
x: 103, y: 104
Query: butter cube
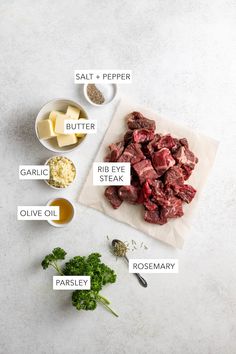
x: 72, y: 112
x: 66, y: 139
x: 80, y: 135
x: 52, y: 116
x: 59, y: 124
x: 45, y: 129
x: 61, y: 117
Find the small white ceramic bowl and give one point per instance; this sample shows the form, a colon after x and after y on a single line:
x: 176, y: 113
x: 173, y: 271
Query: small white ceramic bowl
x: 53, y: 223
x: 115, y: 90
x: 58, y: 188
x: 59, y: 104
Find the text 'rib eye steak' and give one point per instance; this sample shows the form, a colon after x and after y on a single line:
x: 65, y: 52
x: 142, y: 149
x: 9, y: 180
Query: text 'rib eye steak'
x: 160, y: 165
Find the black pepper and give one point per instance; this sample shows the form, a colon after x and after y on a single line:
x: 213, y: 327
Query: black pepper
x: 94, y: 94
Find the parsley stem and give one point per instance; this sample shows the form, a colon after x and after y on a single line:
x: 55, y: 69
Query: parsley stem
x: 100, y: 299
x: 104, y: 299
x: 55, y: 265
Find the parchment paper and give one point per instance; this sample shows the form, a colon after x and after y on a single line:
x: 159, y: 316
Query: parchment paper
x: 174, y: 232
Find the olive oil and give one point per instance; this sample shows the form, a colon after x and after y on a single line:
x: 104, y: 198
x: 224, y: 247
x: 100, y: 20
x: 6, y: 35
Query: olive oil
x: 66, y: 210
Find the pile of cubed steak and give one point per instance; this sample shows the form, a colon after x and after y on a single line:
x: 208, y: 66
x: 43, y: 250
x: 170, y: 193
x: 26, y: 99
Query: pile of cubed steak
x: 160, y: 165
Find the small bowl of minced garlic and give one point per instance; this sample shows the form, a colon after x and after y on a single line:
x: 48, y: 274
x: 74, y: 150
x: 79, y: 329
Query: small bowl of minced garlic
x: 49, y: 125
x: 62, y: 172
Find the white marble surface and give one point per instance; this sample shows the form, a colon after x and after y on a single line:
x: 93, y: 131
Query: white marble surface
x: 183, y: 56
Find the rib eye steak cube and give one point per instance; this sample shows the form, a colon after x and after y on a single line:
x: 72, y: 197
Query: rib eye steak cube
x: 162, y: 160
x: 145, y: 170
x: 128, y: 137
x: 174, y: 176
x: 150, y: 205
x: 185, y: 157
x: 155, y: 217
x: 115, y: 151
x: 136, y: 120
x: 174, y: 209
x: 166, y: 141
x: 132, y: 154
x: 158, y: 192
x: 129, y: 194
x: 185, y: 192
x: 145, y: 192
x: 143, y: 135
x: 111, y: 193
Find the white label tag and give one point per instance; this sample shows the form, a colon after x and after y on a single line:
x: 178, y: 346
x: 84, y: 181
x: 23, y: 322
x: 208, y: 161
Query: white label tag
x: 34, y: 172
x: 82, y: 126
x: 153, y: 266
x: 71, y: 282
x: 103, y: 76
x: 38, y: 212
x: 111, y: 173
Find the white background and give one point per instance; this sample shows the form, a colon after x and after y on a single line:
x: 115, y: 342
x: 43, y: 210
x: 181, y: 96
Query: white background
x: 183, y: 57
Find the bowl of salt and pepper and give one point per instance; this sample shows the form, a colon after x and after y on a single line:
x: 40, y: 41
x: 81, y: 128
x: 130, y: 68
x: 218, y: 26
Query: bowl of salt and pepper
x: 100, y: 94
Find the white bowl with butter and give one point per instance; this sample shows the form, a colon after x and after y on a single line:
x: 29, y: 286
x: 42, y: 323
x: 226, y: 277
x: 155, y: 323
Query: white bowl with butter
x: 51, y: 117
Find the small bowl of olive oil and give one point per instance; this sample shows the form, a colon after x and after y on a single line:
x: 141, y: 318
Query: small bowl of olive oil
x: 66, y: 212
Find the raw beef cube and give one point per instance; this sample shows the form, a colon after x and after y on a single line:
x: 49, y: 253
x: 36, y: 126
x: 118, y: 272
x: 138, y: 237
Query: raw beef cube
x: 174, y: 176
x: 162, y: 160
x: 177, y: 145
x: 145, y: 170
x: 154, y: 217
x: 185, y: 192
x: 142, y: 135
x: 145, y: 149
x: 166, y: 141
x: 115, y: 152
x: 129, y: 194
x: 136, y: 120
x: 158, y: 192
x: 128, y: 137
x: 168, y: 193
x: 184, y: 142
x: 149, y: 205
x: 145, y: 193
x: 111, y: 193
x: 187, y: 171
x: 134, y: 179
x: 133, y: 116
x: 185, y: 157
x: 152, y: 146
x: 132, y: 154
x: 173, y: 210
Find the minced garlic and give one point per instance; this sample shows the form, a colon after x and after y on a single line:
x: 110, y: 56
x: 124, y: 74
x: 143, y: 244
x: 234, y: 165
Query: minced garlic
x: 62, y: 172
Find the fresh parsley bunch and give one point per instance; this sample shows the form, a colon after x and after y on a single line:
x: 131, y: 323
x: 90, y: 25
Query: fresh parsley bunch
x: 100, y: 275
